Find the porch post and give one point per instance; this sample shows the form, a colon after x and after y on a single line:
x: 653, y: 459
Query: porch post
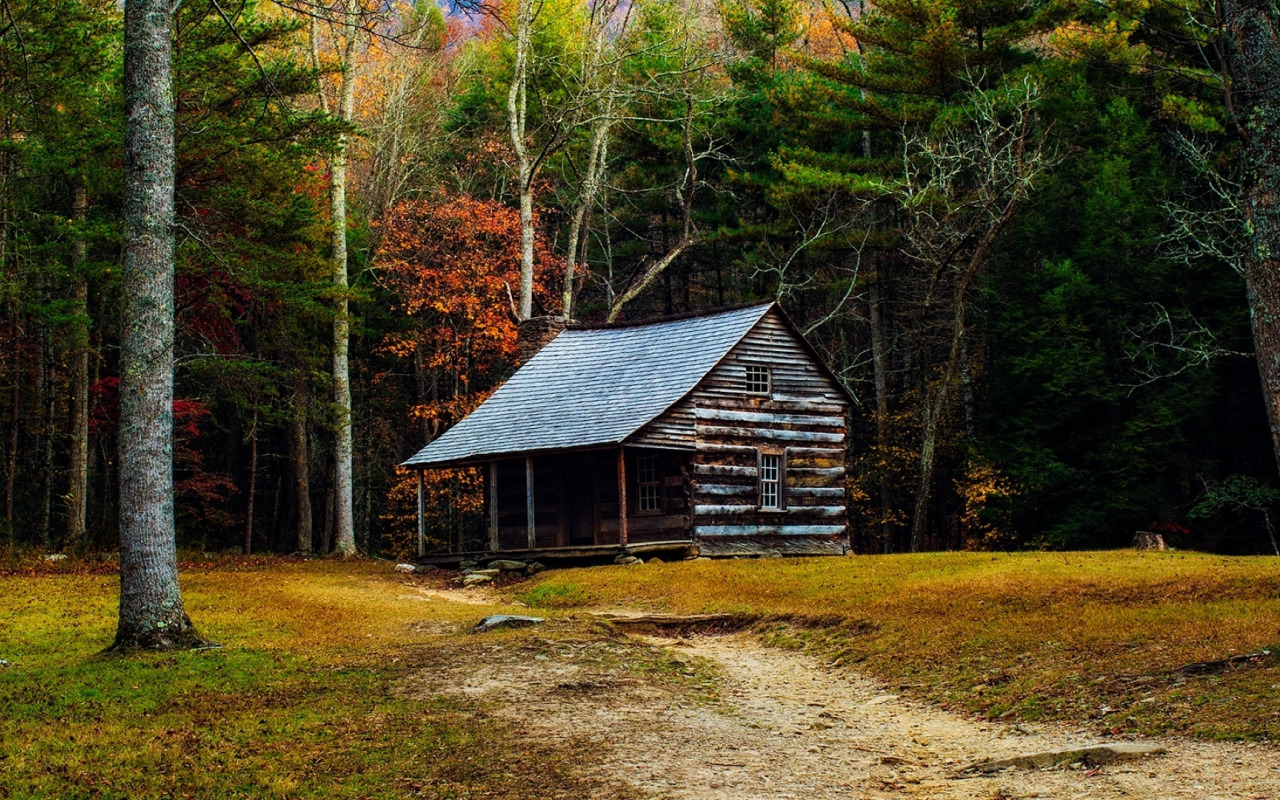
x: 422, y: 534
x: 493, y: 506
x: 622, y: 498
x: 528, y: 496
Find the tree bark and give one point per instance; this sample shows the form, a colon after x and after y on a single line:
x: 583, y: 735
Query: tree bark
x: 15, y: 406
x: 517, y: 116
x: 301, y: 474
x: 880, y: 371
x: 253, y: 485
x: 344, y: 517
x: 151, y: 610
x: 1254, y: 27
x: 78, y: 462
x: 596, y: 163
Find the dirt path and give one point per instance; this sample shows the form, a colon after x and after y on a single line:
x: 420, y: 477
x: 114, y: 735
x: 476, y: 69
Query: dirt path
x: 778, y: 725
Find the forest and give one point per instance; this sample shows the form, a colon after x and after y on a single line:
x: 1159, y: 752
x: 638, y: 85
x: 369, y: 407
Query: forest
x: 1034, y: 238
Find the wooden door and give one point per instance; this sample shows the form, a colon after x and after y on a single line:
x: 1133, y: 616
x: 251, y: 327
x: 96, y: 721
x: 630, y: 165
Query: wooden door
x: 579, y: 502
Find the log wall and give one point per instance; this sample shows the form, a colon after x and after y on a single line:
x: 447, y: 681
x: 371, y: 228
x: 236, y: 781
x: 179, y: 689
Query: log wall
x: 802, y: 419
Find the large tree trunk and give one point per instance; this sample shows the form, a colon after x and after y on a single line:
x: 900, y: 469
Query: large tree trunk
x: 78, y: 463
x: 344, y: 519
x: 1254, y: 26
x: 151, y: 610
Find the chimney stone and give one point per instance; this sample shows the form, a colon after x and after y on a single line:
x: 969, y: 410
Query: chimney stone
x: 534, y: 334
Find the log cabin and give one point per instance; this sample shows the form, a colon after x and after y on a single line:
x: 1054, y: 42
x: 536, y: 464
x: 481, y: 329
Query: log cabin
x: 719, y: 434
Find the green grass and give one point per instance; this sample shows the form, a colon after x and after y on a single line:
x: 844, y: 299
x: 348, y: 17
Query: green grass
x: 1093, y: 638
x: 298, y: 703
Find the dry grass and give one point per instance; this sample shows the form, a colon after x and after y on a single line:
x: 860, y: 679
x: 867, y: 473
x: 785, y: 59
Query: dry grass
x: 1095, y: 638
x: 299, y: 703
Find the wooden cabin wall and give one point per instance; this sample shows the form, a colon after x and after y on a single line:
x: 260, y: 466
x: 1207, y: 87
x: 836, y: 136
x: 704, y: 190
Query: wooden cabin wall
x: 671, y: 523
x: 797, y: 380
x: 803, y: 417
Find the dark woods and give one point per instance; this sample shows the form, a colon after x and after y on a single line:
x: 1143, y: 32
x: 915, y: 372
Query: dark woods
x: 1016, y: 230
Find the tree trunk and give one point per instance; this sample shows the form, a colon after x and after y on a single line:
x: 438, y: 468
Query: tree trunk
x: 78, y: 462
x: 151, y: 610
x: 301, y: 475
x: 597, y: 160
x: 1254, y: 27
x: 253, y: 485
x: 880, y: 370
x: 15, y: 406
x: 517, y: 114
x: 344, y: 518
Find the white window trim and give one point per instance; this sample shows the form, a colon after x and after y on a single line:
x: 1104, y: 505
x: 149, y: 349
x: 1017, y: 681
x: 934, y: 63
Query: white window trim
x: 780, y: 482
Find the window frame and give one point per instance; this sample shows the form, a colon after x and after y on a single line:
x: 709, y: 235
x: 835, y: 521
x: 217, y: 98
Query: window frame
x: 656, y: 484
x: 747, y: 379
x: 779, y: 482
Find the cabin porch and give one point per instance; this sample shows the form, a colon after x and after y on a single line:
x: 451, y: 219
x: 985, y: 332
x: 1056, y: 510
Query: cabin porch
x: 567, y: 503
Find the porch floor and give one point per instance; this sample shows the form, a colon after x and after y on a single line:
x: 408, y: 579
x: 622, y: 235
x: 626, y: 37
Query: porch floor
x: 595, y: 552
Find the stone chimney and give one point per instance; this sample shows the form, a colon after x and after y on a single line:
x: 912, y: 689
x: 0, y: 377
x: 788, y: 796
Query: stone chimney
x: 534, y: 334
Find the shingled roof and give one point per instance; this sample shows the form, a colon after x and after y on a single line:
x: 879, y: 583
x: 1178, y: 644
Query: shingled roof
x: 592, y: 387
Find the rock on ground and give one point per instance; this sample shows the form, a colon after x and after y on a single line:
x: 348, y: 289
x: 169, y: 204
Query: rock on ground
x: 499, y: 621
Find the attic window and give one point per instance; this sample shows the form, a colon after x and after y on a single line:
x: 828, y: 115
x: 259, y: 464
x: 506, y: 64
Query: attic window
x: 649, y: 483
x: 759, y: 381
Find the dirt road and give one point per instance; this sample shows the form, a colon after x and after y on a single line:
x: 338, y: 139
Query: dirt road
x: 742, y: 720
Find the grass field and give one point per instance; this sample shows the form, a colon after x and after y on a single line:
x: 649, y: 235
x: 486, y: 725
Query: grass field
x: 1094, y: 638
x: 301, y: 701
x: 297, y: 703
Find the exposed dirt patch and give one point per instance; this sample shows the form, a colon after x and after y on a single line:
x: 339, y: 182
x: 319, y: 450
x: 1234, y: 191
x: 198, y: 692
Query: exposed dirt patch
x: 727, y: 717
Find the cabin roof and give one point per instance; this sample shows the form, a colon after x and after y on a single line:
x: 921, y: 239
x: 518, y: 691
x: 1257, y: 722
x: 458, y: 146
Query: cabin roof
x: 593, y: 387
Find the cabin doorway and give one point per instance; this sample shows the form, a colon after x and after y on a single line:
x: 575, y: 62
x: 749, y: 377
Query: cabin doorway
x: 579, y: 502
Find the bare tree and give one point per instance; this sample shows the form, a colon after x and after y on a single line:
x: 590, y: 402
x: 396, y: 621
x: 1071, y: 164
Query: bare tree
x: 959, y: 190
x: 151, y: 610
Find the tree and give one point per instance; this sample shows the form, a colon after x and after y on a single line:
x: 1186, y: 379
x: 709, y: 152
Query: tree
x: 344, y: 37
x: 152, y: 614
x: 1253, y: 104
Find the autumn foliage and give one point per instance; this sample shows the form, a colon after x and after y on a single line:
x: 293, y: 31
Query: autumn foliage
x: 452, y: 265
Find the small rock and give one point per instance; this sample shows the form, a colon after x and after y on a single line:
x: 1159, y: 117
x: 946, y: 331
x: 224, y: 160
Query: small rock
x: 56, y: 557
x: 507, y: 565
x: 702, y: 558
x: 475, y: 579
x: 4, y: 664
x: 534, y: 567
x: 771, y: 554
x: 468, y: 565
x: 654, y: 560
x: 405, y: 568
x: 497, y: 621
x: 626, y: 560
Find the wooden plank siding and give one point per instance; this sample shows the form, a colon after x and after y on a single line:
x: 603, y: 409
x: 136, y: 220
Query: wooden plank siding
x: 802, y: 418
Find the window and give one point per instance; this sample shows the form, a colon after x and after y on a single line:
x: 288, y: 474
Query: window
x: 772, y: 482
x: 758, y: 380
x: 649, y: 484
